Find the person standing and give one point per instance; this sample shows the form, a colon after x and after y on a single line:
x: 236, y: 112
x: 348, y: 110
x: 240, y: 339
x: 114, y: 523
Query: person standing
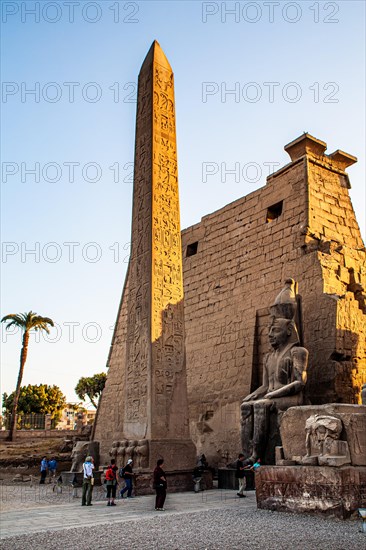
x: 111, y: 482
x: 160, y: 485
x: 88, y: 481
x: 240, y: 475
x: 44, y: 468
x: 128, y: 476
x: 52, y: 467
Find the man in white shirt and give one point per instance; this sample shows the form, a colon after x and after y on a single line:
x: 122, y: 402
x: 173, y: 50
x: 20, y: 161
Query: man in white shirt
x: 88, y: 481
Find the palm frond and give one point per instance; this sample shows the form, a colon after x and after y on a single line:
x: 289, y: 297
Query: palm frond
x: 28, y: 321
x: 40, y: 323
x: 11, y: 324
x: 15, y: 319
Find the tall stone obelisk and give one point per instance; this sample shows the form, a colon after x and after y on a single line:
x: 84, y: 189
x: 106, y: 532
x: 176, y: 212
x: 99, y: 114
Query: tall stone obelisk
x: 154, y: 393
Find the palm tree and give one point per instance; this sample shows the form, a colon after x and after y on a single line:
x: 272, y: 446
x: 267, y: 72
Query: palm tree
x: 27, y: 322
x: 92, y: 386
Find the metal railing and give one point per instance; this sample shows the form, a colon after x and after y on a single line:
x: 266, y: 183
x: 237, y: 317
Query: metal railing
x: 33, y: 421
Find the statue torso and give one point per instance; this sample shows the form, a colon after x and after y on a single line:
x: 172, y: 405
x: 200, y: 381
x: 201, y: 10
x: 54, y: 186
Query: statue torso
x: 279, y: 366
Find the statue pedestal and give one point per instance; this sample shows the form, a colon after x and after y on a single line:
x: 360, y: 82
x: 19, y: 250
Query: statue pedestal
x: 306, y: 461
x: 319, y: 489
x: 177, y: 481
x: 178, y: 454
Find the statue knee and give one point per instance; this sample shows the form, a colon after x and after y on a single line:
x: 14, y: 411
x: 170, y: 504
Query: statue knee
x: 246, y: 411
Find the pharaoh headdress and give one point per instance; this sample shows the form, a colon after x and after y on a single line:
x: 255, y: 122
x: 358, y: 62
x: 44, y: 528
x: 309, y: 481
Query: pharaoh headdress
x: 285, y: 306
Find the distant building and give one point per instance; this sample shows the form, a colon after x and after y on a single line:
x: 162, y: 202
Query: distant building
x: 74, y: 413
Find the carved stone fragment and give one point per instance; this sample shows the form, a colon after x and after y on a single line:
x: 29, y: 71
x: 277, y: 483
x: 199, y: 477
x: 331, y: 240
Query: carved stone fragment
x: 323, y: 444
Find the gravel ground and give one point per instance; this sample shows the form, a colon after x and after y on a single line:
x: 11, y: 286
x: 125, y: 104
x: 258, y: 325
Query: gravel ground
x: 212, y: 530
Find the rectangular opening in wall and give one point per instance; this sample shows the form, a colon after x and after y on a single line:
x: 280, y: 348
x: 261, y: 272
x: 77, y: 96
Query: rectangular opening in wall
x: 274, y: 211
x: 192, y: 249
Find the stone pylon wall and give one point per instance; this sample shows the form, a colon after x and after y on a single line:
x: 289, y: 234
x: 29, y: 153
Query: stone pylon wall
x: 334, y: 233
x: 241, y: 263
x: 233, y: 274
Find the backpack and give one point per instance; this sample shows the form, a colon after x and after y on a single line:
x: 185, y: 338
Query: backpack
x: 122, y: 472
x: 109, y: 475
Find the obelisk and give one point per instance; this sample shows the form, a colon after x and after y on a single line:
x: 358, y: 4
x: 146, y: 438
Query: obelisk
x: 156, y: 405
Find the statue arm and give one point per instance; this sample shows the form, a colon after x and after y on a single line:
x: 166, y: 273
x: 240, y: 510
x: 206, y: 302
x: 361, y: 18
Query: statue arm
x: 262, y: 390
x: 257, y: 394
x: 299, y: 359
x: 289, y: 389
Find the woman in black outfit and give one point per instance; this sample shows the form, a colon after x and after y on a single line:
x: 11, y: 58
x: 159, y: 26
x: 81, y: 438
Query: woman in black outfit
x: 160, y: 485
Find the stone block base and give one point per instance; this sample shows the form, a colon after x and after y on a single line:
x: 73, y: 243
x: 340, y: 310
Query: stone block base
x: 177, y: 454
x: 228, y: 480
x: 320, y: 489
x: 178, y: 481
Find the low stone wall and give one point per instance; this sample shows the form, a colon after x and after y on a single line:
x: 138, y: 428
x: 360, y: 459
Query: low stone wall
x: 35, y: 434
x: 28, y: 467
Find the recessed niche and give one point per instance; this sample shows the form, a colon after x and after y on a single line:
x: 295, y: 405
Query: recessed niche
x: 192, y: 249
x: 274, y: 211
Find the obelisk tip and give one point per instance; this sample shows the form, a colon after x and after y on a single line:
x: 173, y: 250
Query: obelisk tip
x: 157, y: 55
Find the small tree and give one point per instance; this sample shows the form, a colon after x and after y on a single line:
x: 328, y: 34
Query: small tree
x: 38, y: 399
x: 27, y: 322
x: 91, y: 386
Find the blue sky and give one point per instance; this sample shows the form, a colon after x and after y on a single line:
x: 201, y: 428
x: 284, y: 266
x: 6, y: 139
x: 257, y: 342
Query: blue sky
x: 291, y: 67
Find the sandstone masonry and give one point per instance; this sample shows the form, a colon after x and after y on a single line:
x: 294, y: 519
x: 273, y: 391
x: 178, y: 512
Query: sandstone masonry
x: 300, y: 225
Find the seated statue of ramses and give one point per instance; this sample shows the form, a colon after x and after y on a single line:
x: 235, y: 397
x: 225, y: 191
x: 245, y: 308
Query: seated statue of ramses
x: 284, y: 374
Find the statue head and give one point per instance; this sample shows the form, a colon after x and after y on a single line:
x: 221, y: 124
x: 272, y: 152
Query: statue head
x: 78, y: 454
x: 280, y: 331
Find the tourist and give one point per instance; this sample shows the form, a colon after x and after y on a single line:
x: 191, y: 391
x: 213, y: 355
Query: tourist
x: 111, y: 482
x: 256, y: 465
x: 44, y: 468
x: 88, y: 481
x: 160, y: 485
x: 128, y: 476
x: 240, y: 475
x: 52, y: 467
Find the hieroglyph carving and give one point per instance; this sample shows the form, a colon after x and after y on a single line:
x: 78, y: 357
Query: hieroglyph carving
x: 138, y: 302
x: 167, y: 279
